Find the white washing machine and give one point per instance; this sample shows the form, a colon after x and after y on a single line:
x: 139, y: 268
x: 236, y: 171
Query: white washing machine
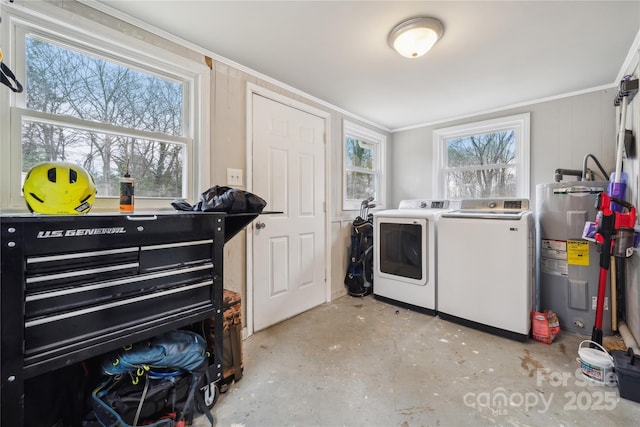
x: 486, y: 268
x: 404, y: 261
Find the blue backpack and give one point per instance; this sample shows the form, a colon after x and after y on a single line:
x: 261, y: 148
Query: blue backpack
x: 173, y: 350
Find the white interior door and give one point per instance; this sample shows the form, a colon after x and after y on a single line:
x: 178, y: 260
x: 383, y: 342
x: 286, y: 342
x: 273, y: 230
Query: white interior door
x: 288, y: 248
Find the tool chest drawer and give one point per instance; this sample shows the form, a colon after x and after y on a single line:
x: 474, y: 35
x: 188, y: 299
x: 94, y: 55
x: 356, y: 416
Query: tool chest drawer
x: 74, y: 287
x: 67, y: 297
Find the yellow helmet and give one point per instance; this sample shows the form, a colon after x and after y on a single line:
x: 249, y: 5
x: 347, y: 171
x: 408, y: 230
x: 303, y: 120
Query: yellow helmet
x: 59, y: 188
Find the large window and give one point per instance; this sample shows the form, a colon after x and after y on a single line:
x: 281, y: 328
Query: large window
x: 108, y: 108
x: 488, y: 159
x: 363, y: 166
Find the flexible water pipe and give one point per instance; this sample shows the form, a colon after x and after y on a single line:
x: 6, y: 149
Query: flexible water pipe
x: 585, y: 170
x: 627, y: 337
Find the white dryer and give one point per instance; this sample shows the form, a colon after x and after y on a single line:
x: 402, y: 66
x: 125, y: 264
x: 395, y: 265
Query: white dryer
x: 404, y: 261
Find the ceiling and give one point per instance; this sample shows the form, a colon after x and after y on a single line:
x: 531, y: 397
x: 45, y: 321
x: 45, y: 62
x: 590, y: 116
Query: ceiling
x: 494, y: 54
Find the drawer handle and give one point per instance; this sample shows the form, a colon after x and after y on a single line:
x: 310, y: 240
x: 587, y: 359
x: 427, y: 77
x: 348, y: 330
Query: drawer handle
x: 142, y: 218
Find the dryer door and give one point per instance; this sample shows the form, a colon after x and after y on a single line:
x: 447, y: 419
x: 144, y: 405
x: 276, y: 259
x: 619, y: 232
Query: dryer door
x: 401, y: 253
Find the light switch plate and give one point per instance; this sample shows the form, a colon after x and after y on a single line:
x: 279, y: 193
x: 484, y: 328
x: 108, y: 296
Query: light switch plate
x: 234, y: 176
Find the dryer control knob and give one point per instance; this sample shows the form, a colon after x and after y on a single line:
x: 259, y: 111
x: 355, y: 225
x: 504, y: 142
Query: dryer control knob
x: 423, y: 204
x: 492, y: 205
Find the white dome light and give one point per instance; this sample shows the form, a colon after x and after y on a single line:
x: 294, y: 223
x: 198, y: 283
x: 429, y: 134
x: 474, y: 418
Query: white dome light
x: 414, y: 37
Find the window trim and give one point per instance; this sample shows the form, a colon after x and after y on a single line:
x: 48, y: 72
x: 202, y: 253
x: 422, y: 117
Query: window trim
x: 520, y: 123
x: 380, y: 141
x: 65, y: 27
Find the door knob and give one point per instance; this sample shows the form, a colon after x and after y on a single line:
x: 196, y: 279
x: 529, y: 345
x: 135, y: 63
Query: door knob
x: 260, y: 225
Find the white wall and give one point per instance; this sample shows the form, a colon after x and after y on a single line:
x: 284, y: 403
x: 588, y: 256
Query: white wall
x: 563, y: 131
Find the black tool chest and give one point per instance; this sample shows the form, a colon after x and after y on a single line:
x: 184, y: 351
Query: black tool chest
x: 74, y: 287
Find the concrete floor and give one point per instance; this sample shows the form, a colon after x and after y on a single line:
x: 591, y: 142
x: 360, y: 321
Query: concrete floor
x: 362, y: 362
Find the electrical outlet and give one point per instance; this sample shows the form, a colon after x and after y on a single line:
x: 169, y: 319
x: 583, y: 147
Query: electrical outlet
x: 234, y: 176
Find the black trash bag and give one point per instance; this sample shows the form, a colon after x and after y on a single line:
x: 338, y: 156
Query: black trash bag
x: 224, y: 199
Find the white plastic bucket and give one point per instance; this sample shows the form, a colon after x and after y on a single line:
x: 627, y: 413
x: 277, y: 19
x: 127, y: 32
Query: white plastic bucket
x: 596, y: 365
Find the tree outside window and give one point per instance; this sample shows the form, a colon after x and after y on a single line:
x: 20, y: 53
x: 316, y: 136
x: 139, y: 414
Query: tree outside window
x: 360, y: 173
x: 86, y: 108
x: 483, y: 160
x: 475, y: 167
x: 363, y: 153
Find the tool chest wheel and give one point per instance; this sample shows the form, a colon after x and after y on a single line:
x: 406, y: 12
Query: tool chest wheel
x: 210, y: 392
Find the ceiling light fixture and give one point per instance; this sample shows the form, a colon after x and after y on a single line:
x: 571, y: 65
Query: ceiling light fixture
x: 414, y: 37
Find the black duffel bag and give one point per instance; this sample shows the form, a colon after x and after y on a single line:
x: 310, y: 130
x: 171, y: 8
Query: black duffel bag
x: 224, y: 199
x: 119, y: 401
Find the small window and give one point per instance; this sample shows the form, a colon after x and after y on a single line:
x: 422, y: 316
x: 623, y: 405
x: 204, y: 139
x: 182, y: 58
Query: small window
x: 488, y: 159
x: 363, y: 166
